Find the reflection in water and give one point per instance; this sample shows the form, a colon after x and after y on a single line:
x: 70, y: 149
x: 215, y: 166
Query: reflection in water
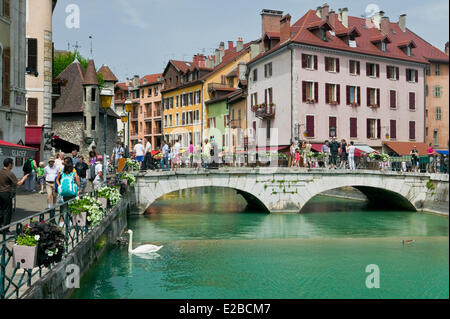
x: 213, y: 248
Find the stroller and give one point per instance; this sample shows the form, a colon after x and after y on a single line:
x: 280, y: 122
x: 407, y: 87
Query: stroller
x: 151, y: 160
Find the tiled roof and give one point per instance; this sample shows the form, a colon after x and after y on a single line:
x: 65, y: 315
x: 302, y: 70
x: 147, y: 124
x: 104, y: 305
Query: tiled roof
x: 149, y: 79
x: 122, y: 86
x: 422, y: 53
x: 90, y: 77
x: 404, y: 148
x: 183, y: 66
x: 108, y: 75
x: 71, y: 99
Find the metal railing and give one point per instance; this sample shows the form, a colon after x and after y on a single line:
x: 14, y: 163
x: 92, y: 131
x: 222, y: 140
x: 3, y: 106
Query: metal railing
x: 14, y: 282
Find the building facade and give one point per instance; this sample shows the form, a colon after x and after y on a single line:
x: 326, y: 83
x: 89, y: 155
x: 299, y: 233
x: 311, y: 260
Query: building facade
x: 329, y: 74
x: 437, y: 100
x: 39, y: 75
x: 150, y: 112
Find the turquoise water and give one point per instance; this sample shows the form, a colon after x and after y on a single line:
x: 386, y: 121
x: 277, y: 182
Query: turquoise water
x: 213, y: 248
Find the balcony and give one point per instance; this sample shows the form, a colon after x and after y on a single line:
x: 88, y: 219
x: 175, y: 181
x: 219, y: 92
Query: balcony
x: 148, y: 116
x: 219, y: 87
x: 156, y: 131
x: 134, y: 116
x: 235, y: 123
x: 157, y: 113
x: 265, y: 112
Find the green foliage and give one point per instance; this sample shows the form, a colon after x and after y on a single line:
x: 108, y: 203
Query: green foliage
x: 27, y: 240
x: 111, y: 193
x: 430, y: 186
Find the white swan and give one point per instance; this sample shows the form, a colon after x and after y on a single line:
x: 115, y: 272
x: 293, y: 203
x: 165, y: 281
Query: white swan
x: 141, y: 250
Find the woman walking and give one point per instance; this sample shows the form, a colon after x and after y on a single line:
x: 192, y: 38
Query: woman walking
x: 68, y: 182
x: 30, y: 168
x: 344, y: 154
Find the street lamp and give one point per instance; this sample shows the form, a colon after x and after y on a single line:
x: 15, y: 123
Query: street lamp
x: 124, y: 119
x: 128, y: 108
x: 332, y: 131
x: 106, y: 96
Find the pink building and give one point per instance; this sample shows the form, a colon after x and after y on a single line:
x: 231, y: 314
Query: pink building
x: 329, y: 74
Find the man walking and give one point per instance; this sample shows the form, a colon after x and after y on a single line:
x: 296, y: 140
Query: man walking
x: 8, y: 184
x: 176, y: 154
x: 165, y: 156
x: 139, y: 150
x: 206, y: 153
x: 334, y: 151
x: 326, y: 150
x: 118, y: 153
x: 74, y: 157
x: 82, y: 170
x: 50, y: 173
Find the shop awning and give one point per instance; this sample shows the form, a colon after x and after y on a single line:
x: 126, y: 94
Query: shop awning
x: 270, y: 148
x: 33, y: 135
x: 365, y: 148
x: 404, y: 148
x: 317, y: 147
x: 443, y: 152
x: 14, y: 150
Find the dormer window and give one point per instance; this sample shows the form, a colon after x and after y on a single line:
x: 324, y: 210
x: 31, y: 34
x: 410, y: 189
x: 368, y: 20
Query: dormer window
x: 407, y: 47
x: 320, y: 29
x: 323, y: 34
x: 383, y: 46
x: 408, y: 51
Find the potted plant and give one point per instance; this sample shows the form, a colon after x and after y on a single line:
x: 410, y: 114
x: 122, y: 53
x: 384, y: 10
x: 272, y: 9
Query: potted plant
x: 132, y: 164
x: 51, y: 242
x: 111, y: 194
x: 127, y: 179
x: 25, y: 250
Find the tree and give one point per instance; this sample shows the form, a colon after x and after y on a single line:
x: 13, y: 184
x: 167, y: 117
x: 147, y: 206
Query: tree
x: 62, y: 60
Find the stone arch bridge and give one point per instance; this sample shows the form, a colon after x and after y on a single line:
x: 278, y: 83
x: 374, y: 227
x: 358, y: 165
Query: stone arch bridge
x: 289, y: 189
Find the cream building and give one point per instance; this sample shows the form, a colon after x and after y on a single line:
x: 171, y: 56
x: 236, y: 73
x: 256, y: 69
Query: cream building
x: 39, y: 75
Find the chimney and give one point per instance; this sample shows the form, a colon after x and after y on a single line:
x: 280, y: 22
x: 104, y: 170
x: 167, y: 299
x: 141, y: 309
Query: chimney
x: 230, y: 45
x: 254, y: 50
x: 446, y: 48
x: 209, y: 63
x: 136, y: 81
x: 201, y: 60
x: 332, y: 18
x: 270, y: 21
x: 222, y: 46
x: 242, y: 69
x: 325, y: 9
x: 217, y: 57
x: 285, y: 28
x: 319, y: 12
x: 377, y: 19
x: 385, y: 25
x: 402, y: 22
x: 239, y: 45
x: 339, y: 14
x: 344, y: 17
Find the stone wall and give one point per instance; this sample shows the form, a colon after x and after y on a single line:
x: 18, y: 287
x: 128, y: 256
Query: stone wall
x: 70, y: 127
x: 87, y: 252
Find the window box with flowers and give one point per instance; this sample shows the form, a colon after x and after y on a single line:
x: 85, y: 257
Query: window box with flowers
x: 25, y: 250
x: 86, y: 211
x: 333, y: 103
x: 109, y: 195
x: 310, y: 101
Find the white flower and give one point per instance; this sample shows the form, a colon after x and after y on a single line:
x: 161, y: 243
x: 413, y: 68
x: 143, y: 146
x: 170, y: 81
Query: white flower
x: 37, y: 237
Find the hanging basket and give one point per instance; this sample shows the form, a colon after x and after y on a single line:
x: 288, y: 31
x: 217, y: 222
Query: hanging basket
x: 26, y: 256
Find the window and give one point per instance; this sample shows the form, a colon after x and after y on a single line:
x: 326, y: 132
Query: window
x: 197, y: 97
x: 268, y: 96
x: 171, y: 102
x: 155, y: 91
x: 393, y: 99
x: 332, y: 93
x: 353, y: 95
x: 373, y: 128
x: 254, y: 99
x: 437, y: 70
x: 170, y: 120
x: 427, y: 70
x: 310, y: 125
x: 412, y: 100
x: 393, y: 129
x: 191, y: 98
x: 309, y: 61
x: 437, y: 91
x: 411, y: 75
x: 212, y: 122
x: 435, y: 138
x: 196, y: 116
x: 354, y: 67
x: 84, y: 94
x: 93, y: 123
x: 331, y: 64
x: 373, y: 97
x: 408, y: 50
x: 5, y: 10
x: 310, y: 92
x: 373, y: 69
x: 353, y: 127
x: 255, y: 75
x: 165, y: 121
x: 177, y: 101
x: 392, y: 72
x: 32, y: 117
x: 383, y: 46
x: 149, y: 93
x: 93, y: 94
x: 177, y: 119
x: 189, y: 117
x: 438, y: 113
x: 268, y: 70
x: 32, y: 55
x: 332, y: 123
x: 412, y: 130
x: 183, y: 118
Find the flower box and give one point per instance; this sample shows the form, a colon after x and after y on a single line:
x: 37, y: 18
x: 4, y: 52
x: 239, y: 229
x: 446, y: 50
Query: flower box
x: 26, y: 256
x: 310, y: 101
x: 79, y: 219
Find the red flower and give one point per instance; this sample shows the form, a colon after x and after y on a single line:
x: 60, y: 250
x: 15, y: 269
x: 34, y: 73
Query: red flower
x: 43, y: 222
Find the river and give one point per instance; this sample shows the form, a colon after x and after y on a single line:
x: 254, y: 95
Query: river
x: 214, y: 248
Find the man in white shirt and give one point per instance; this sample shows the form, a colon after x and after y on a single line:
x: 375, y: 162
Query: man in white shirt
x: 140, y: 151
x: 98, y: 172
x: 148, y: 146
x: 118, y: 153
x: 351, y: 155
x: 50, y: 174
x: 176, y: 154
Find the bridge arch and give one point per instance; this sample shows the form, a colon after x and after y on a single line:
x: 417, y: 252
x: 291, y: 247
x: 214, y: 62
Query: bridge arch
x: 287, y: 190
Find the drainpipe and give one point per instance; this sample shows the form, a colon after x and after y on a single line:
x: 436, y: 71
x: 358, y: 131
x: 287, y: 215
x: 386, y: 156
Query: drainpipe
x: 425, y: 106
x: 292, y: 92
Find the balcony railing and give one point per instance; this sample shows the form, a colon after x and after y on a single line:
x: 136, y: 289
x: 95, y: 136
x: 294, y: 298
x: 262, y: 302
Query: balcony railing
x: 235, y: 123
x: 265, y: 112
x: 134, y: 116
x: 218, y: 86
x: 157, y: 113
x: 156, y: 130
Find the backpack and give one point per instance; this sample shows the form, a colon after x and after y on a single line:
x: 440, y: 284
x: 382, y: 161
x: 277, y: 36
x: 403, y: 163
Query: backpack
x: 91, y: 172
x: 68, y: 187
x: 27, y: 166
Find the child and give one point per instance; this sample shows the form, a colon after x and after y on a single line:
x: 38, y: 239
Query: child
x: 40, y: 176
x: 297, y: 157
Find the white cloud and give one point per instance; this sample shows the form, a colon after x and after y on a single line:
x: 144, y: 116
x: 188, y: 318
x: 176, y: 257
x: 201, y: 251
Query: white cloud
x: 131, y: 15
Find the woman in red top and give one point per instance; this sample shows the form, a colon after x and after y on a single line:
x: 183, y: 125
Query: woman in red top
x: 430, y: 163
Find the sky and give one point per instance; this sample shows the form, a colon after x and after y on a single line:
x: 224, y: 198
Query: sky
x: 138, y: 37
